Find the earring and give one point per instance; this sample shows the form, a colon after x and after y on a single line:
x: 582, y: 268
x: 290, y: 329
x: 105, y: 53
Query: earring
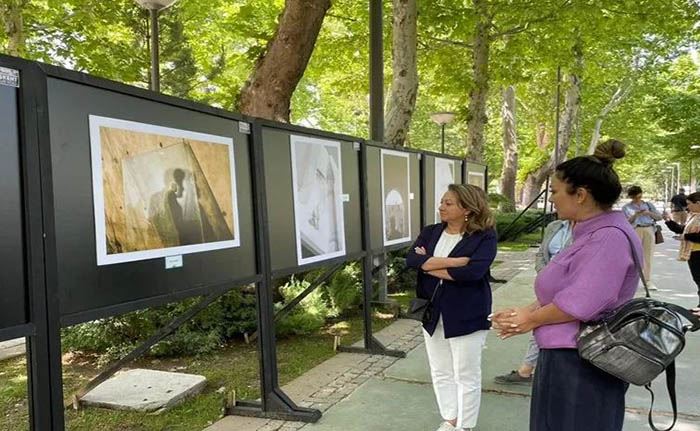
x: 466, y: 218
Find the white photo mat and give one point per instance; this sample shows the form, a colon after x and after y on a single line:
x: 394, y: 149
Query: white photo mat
x: 312, y: 201
x: 446, y: 171
x: 406, y: 199
x: 103, y: 258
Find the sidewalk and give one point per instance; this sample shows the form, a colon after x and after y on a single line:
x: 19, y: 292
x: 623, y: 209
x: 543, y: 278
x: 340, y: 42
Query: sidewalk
x: 364, y: 393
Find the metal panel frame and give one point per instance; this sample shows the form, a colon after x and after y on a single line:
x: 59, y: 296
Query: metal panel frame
x: 45, y: 321
x: 50, y: 71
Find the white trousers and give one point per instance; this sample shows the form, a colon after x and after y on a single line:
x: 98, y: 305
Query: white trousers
x: 455, y: 368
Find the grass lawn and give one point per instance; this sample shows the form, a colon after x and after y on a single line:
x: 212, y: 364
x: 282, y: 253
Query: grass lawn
x: 234, y: 367
x: 523, y: 242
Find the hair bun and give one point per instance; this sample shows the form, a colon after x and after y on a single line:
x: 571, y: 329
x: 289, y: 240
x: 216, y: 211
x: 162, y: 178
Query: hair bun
x: 609, y: 151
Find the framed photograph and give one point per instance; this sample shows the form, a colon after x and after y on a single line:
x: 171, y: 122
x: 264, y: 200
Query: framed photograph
x: 318, y: 202
x: 476, y: 179
x: 396, y: 208
x: 446, y: 172
x: 159, y: 191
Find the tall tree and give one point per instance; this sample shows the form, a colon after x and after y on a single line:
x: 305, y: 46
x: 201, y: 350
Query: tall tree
x: 268, y: 92
x: 621, y: 93
x: 476, y: 120
x: 404, y: 84
x: 13, y: 24
x: 510, y: 149
x: 572, y: 100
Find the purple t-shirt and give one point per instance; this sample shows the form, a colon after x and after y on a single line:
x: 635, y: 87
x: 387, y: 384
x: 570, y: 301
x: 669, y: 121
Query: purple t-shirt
x: 594, y: 275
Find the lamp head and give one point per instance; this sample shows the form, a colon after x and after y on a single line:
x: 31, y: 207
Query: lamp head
x: 155, y: 4
x: 442, y: 117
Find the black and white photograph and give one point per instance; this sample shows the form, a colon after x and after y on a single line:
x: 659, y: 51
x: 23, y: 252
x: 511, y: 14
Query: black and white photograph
x: 445, y: 174
x: 476, y: 179
x: 396, y: 211
x: 318, y: 201
x: 160, y: 191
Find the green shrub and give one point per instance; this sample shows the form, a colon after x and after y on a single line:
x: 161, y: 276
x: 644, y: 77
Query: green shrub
x: 308, y: 316
x: 400, y: 277
x: 503, y: 220
x: 497, y: 200
x: 344, y: 289
x: 229, y: 316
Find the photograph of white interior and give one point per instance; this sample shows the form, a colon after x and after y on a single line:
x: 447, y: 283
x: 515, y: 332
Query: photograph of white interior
x: 318, y: 203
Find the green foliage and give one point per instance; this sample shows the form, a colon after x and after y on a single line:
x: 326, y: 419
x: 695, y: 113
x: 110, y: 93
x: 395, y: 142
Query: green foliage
x: 503, y: 220
x: 496, y: 200
x: 345, y: 289
x: 228, y: 317
x: 307, y: 317
x: 400, y: 277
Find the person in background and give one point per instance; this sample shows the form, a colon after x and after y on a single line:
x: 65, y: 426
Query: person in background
x: 557, y: 236
x: 679, y: 207
x: 455, y: 257
x: 690, y: 238
x: 643, y: 217
x: 595, y: 275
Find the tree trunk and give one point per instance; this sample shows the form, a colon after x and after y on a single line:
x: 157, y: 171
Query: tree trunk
x: 268, y: 92
x: 617, y: 98
x: 404, y: 85
x: 11, y: 15
x: 572, y: 101
x: 510, y: 149
x: 534, y: 180
x: 477, y: 98
x: 533, y: 183
x: 542, y: 136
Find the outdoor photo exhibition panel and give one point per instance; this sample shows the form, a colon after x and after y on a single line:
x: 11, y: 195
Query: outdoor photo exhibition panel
x: 13, y: 297
x: 313, y: 196
x: 476, y: 174
x: 152, y: 201
x: 393, y: 179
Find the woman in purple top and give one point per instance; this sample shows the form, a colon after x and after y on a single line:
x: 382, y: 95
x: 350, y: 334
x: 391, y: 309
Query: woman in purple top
x: 593, y: 276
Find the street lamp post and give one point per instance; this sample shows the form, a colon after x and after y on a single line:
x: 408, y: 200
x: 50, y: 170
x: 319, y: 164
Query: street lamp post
x: 154, y: 7
x: 442, y: 118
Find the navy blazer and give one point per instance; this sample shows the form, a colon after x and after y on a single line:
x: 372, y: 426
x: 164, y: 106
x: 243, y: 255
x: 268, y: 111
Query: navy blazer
x: 464, y: 303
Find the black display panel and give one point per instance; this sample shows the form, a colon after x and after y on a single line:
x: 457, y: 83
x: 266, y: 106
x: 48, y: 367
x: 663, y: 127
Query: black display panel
x: 313, y: 156
x: 13, y: 309
x: 88, y: 290
x: 378, y: 197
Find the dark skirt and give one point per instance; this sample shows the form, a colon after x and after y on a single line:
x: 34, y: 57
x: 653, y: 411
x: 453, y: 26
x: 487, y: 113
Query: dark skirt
x: 569, y: 394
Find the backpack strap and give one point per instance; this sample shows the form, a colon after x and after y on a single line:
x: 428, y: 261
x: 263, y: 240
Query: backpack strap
x: 636, y: 259
x: 671, y: 386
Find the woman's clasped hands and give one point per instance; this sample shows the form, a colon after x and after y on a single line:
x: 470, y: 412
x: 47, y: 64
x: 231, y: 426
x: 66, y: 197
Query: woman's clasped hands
x: 512, y: 321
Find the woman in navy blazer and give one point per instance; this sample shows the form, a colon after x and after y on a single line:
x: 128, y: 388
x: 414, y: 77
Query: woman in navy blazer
x: 454, y: 257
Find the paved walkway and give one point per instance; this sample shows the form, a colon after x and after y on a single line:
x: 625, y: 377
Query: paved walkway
x: 366, y: 393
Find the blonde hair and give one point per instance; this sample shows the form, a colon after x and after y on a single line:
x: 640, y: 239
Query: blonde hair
x: 473, y: 199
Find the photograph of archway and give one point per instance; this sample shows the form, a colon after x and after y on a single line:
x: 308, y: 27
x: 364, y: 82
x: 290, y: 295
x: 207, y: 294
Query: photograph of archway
x: 318, y: 203
x: 445, y: 174
x: 160, y: 191
x: 396, y: 208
